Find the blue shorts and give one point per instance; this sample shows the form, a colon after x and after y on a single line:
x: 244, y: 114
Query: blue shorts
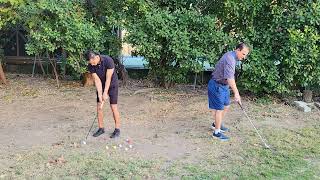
x: 218, y: 95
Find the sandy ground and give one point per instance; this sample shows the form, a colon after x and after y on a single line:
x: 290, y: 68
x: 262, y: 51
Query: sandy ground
x: 166, y: 124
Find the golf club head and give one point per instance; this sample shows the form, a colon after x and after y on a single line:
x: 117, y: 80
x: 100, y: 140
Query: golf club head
x: 267, y: 146
x: 83, y: 142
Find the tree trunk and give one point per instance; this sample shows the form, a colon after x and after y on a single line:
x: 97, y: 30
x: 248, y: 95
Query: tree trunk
x: 307, y: 96
x: 41, y: 66
x: 87, y: 80
x: 2, y: 76
x: 121, y: 70
x: 54, y: 69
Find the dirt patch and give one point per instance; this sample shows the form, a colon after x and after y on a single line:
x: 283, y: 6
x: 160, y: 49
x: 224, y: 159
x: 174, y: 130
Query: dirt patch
x: 172, y: 125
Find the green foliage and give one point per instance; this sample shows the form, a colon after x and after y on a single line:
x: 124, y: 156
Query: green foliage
x: 173, y: 40
x: 285, y: 39
x: 8, y: 11
x: 106, y: 14
x: 176, y: 36
x: 54, y: 24
x: 303, y: 62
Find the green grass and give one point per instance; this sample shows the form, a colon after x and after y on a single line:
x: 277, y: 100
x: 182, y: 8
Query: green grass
x: 291, y: 158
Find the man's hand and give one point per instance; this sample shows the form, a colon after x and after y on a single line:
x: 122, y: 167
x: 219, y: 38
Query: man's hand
x: 237, y: 98
x: 105, y: 97
x: 101, y: 105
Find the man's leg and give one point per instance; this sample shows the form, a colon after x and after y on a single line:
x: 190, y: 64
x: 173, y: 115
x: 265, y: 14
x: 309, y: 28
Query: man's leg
x: 116, y: 115
x: 113, y: 95
x: 223, y: 128
x: 100, y: 116
x: 218, y: 119
x: 100, y: 121
x: 213, y: 114
x: 217, y: 131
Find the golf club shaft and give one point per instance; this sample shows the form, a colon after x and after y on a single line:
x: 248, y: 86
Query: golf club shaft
x: 262, y: 139
x: 91, y: 126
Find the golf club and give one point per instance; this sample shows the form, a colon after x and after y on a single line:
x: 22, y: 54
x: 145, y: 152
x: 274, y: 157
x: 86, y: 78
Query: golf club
x: 262, y: 139
x: 84, y: 141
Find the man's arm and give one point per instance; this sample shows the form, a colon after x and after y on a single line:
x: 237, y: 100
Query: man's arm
x: 109, y: 74
x: 98, y: 84
x: 233, y: 85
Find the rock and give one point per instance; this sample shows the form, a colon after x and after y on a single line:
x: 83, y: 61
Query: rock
x: 302, y: 106
x: 317, y: 104
x: 311, y: 105
x: 316, y: 99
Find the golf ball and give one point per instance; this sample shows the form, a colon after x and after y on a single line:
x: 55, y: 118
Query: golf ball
x: 114, y: 147
x: 120, y: 145
x: 83, y: 142
x: 130, y: 146
x: 107, y: 147
x: 126, y: 149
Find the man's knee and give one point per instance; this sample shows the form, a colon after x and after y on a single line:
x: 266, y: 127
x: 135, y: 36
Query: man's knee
x: 114, y: 107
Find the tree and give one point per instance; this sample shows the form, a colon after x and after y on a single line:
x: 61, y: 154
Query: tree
x: 173, y: 39
x: 8, y: 11
x: 54, y: 24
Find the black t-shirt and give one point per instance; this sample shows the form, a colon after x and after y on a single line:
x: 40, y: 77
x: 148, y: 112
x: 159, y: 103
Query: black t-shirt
x: 106, y: 62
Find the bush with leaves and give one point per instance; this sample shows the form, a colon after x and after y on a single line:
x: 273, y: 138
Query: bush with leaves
x: 284, y: 38
x: 173, y: 40
x: 54, y: 24
x: 9, y: 11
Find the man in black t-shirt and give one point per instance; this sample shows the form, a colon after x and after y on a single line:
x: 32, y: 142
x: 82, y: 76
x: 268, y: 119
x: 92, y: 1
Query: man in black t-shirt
x: 106, y: 81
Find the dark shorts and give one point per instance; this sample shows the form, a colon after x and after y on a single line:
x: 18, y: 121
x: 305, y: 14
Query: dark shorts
x: 113, y: 94
x: 218, y: 95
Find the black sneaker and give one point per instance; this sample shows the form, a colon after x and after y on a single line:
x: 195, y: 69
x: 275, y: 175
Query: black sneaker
x: 116, y: 133
x: 99, y: 132
x: 223, y: 128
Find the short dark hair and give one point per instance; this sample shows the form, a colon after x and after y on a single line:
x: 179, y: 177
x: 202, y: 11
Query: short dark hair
x: 241, y: 45
x: 90, y: 54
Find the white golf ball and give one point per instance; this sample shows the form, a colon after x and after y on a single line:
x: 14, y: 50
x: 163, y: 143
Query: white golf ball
x: 107, y: 147
x: 130, y: 146
x: 126, y: 149
x: 120, y: 146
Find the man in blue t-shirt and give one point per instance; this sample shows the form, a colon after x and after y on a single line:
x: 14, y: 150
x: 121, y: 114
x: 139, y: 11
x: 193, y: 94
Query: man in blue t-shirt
x: 222, y: 78
x: 106, y: 81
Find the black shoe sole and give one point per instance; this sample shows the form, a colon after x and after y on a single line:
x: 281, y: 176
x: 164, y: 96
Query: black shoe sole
x: 96, y: 135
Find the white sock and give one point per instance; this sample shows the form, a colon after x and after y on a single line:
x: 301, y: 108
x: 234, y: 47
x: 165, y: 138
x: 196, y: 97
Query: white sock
x: 216, y: 131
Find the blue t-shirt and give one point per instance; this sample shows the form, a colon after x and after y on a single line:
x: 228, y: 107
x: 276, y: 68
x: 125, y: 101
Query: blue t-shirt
x: 225, y: 67
x: 100, y: 69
